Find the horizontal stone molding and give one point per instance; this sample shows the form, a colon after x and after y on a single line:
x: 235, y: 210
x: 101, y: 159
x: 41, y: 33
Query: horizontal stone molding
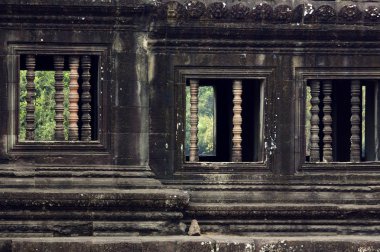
x: 266, y: 13
x: 122, y: 13
x: 164, y: 199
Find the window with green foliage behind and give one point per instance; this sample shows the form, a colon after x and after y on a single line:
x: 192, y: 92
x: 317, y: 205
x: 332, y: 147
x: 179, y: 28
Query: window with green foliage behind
x: 44, y: 105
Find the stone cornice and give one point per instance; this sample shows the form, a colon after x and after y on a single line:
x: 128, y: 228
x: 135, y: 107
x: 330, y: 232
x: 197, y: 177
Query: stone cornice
x: 265, y: 12
x: 203, y: 12
x: 97, y: 13
x: 61, y: 9
x: 76, y: 3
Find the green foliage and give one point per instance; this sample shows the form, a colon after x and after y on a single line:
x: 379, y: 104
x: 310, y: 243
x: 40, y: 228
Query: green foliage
x: 206, y: 126
x: 44, y: 105
x: 22, y: 106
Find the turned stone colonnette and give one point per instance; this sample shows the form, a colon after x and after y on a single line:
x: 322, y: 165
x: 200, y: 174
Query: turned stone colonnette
x: 73, y: 99
x: 237, y: 120
x: 30, y: 96
x: 327, y: 121
x: 355, y: 121
x: 194, y: 90
x: 59, y: 62
x: 314, y: 121
x: 86, y: 99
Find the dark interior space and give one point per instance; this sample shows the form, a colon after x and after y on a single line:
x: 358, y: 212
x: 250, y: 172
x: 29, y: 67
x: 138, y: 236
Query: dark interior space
x: 251, y: 123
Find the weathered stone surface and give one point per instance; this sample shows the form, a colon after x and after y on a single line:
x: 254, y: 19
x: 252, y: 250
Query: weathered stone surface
x: 226, y: 244
x: 194, y: 229
x: 5, y: 245
x: 159, y: 246
x: 211, y: 243
x: 84, y: 212
x: 195, y: 245
x: 117, y: 246
x: 131, y: 180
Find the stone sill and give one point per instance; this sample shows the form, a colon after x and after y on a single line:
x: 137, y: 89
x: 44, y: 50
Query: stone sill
x: 204, y: 243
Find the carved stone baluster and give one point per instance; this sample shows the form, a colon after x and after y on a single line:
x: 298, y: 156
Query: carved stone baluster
x: 73, y: 98
x: 314, y: 121
x: 355, y: 121
x: 237, y: 120
x: 59, y: 62
x: 194, y: 90
x: 327, y: 121
x: 86, y: 99
x: 30, y: 96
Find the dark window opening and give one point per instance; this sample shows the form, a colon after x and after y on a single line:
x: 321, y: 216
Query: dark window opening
x: 216, y: 103
x: 365, y: 107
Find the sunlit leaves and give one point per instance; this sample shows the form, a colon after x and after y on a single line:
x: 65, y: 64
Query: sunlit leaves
x: 44, y: 105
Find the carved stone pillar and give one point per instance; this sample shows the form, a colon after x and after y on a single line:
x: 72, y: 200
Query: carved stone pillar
x: 355, y: 121
x: 237, y: 120
x: 73, y: 99
x: 30, y: 96
x: 194, y: 90
x: 327, y: 121
x: 59, y: 62
x: 314, y: 121
x: 86, y: 99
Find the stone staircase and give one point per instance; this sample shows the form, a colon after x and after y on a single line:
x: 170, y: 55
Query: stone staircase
x: 304, y: 204
x: 87, y: 201
x: 307, y: 212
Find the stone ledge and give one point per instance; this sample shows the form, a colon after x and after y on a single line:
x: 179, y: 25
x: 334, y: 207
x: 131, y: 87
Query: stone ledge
x: 91, y: 212
x: 75, y: 2
x: 93, y: 198
x: 284, y: 218
x: 199, y: 244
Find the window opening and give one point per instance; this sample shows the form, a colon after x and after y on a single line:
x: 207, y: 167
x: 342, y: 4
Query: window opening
x: 57, y: 98
x: 341, y: 121
x: 223, y: 120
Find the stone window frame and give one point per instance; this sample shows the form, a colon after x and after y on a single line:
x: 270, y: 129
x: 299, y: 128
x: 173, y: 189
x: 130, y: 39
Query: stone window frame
x: 184, y: 73
x: 102, y: 144
x: 302, y: 76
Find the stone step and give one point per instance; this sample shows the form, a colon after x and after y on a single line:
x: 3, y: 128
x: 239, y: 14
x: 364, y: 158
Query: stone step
x: 74, y: 171
x: 92, y: 198
x: 239, y: 178
x: 79, y: 182
x: 282, y: 211
x: 96, y: 176
x: 302, y: 227
x: 207, y: 243
x: 277, y: 187
x: 92, y: 228
x: 85, y: 215
x: 344, y: 195
x: 90, y: 212
x: 285, y: 218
